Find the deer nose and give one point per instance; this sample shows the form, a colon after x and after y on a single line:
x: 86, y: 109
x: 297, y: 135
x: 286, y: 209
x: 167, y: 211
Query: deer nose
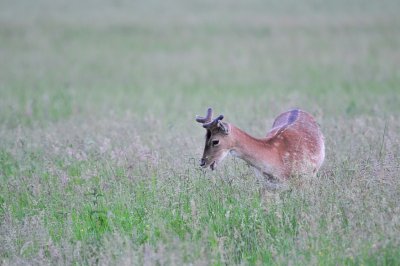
x: 202, y: 162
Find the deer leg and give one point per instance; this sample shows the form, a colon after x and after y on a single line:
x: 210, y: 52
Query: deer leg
x: 272, y: 183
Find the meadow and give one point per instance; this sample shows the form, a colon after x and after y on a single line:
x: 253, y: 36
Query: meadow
x: 99, y: 149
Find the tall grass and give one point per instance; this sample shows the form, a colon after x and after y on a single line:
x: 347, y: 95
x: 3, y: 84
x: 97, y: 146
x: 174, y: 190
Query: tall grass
x: 99, y: 150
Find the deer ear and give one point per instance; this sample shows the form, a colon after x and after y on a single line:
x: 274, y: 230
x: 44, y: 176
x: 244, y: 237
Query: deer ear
x: 224, y: 127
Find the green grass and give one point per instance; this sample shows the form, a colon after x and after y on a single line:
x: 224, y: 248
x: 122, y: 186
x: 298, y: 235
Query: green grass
x: 99, y: 148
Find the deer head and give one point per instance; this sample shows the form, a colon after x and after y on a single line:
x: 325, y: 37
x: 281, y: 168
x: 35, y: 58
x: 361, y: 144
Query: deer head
x: 218, y: 140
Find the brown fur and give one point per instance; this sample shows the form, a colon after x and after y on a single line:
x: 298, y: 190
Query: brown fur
x: 294, y: 146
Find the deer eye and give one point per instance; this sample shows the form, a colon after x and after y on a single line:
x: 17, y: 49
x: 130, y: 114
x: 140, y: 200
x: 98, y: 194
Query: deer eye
x: 215, y: 142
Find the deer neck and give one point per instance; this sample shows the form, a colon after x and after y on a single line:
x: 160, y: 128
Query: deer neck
x: 248, y: 148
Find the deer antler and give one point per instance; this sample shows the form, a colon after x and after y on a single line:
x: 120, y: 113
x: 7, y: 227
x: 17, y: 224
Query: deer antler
x: 214, y: 122
x: 208, y: 123
x: 207, y: 119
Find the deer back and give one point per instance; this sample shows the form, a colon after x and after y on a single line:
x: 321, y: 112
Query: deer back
x: 297, y: 138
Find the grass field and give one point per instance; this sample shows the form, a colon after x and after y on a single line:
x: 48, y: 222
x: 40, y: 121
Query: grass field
x: 99, y: 149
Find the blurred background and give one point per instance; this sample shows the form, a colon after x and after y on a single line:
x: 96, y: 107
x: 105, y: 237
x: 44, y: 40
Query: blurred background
x: 172, y: 59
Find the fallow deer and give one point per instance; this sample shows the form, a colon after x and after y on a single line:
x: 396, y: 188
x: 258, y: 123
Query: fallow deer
x: 293, y: 147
